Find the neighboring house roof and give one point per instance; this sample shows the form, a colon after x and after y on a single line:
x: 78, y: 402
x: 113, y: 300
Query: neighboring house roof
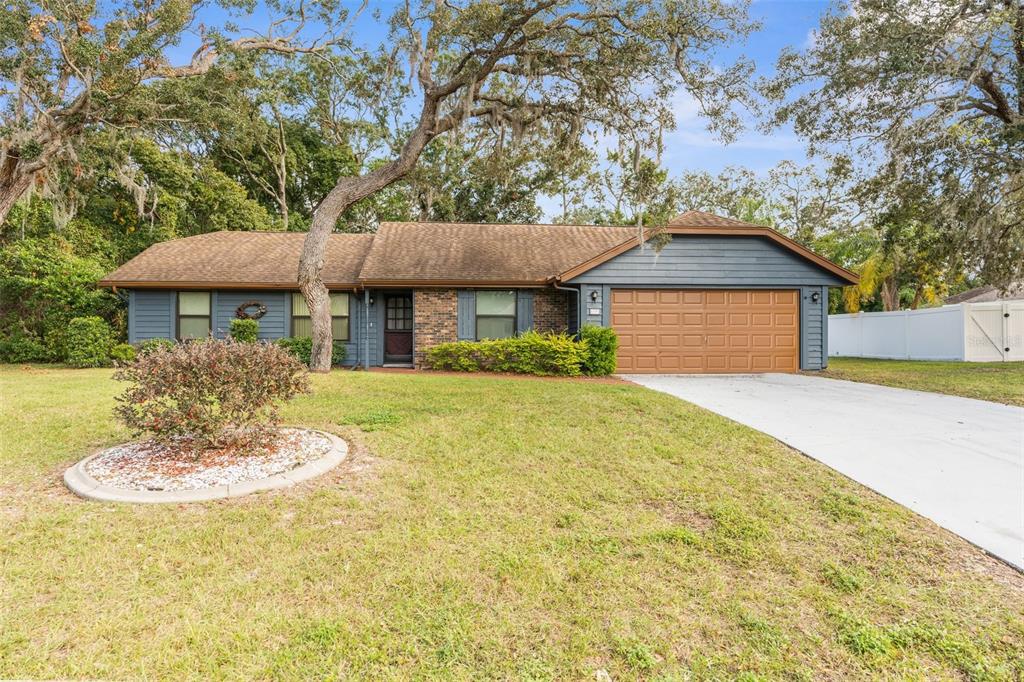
x: 415, y: 254
x: 988, y: 293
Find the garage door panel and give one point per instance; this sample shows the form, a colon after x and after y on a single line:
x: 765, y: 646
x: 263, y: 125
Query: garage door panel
x: 693, y: 297
x: 669, y: 297
x: 715, y: 320
x: 668, y: 341
x: 739, y: 319
x: 715, y: 298
x: 646, y: 319
x: 712, y: 331
x: 668, y: 319
x: 693, y: 319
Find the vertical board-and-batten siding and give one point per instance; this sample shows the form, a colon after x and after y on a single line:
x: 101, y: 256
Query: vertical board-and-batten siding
x: 716, y: 262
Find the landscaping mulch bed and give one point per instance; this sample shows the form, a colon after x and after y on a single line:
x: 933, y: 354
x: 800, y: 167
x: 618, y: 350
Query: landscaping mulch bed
x: 149, y: 465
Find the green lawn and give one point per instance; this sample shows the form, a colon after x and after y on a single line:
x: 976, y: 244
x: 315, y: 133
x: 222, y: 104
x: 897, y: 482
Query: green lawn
x: 486, y: 528
x: 1002, y: 382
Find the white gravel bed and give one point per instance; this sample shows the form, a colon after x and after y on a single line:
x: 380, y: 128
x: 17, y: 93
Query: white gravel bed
x: 147, y: 465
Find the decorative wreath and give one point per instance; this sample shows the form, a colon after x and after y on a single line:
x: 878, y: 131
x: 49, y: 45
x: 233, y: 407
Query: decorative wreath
x: 243, y: 311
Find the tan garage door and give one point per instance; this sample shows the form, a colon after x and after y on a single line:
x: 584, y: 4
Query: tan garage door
x: 712, y: 331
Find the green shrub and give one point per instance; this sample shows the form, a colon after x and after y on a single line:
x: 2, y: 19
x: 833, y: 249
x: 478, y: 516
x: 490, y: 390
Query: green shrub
x: 150, y: 345
x: 123, y: 352
x: 212, y: 393
x: 302, y: 348
x: 602, y: 346
x: 88, y: 342
x: 246, y: 331
x: 529, y: 353
x: 22, y: 347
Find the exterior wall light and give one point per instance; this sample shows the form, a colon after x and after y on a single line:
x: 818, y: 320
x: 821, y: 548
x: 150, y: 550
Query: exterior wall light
x: 593, y: 294
x: 815, y: 297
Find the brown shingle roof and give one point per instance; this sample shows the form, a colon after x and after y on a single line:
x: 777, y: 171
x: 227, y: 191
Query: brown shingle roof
x: 239, y: 260
x: 483, y: 253
x: 413, y: 254
x: 702, y: 219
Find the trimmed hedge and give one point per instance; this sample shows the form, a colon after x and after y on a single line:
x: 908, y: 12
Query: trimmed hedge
x: 302, y: 348
x: 87, y: 342
x: 244, y: 330
x: 528, y: 353
x: 602, y: 347
x: 123, y: 352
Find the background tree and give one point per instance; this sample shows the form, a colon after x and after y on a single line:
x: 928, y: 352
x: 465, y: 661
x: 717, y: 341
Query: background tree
x: 68, y: 67
x: 929, y: 92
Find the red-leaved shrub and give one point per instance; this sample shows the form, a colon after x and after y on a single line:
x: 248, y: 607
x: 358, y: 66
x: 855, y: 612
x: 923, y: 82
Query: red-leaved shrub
x: 208, y: 393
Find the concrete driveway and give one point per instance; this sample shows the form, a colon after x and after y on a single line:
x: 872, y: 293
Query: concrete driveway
x: 957, y: 461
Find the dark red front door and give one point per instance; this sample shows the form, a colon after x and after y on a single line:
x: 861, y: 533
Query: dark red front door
x: 398, y: 328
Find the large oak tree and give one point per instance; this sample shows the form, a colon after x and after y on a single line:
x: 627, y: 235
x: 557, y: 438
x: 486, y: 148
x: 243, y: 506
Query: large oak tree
x: 605, y: 66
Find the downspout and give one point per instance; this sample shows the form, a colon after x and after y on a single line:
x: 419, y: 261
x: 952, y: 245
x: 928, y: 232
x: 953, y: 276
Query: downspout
x: 579, y: 302
x: 366, y: 335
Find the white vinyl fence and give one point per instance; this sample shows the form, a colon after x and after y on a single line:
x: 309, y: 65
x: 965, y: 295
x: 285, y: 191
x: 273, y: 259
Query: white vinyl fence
x: 976, y: 332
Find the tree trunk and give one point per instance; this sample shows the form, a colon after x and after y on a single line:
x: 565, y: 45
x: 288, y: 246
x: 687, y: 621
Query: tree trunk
x: 346, y: 192
x: 890, y: 295
x: 12, y: 189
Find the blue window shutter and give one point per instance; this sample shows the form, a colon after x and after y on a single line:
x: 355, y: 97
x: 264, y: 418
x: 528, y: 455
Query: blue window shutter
x: 467, y: 315
x: 524, y: 310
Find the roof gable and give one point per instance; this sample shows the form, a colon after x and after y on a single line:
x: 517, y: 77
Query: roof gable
x: 700, y: 223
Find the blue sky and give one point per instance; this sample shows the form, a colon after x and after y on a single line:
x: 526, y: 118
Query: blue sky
x: 784, y: 23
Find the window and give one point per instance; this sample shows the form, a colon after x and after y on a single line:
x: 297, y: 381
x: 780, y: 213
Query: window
x: 193, y: 314
x: 303, y: 326
x: 398, y: 314
x: 495, y: 314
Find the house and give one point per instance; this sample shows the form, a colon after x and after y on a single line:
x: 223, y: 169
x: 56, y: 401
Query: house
x: 988, y: 294
x: 720, y: 296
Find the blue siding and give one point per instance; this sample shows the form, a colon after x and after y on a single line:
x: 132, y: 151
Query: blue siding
x: 467, y: 315
x: 275, y: 324
x: 524, y: 310
x: 812, y: 324
x: 710, y: 261
x: 152, y: 314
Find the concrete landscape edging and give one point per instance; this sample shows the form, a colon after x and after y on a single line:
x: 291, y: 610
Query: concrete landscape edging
x: 82, y: 484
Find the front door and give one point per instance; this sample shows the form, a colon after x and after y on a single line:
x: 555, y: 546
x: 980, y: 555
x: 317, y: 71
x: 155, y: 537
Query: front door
x: 397, y: 328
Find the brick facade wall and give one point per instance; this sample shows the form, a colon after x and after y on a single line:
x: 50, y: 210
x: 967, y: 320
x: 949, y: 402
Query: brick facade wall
x: 550, y: 310
x: 435, y: 320
x: 436, y: 316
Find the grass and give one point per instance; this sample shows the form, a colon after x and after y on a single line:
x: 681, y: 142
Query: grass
x: 1001, y: 382
x: 501, y: 528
